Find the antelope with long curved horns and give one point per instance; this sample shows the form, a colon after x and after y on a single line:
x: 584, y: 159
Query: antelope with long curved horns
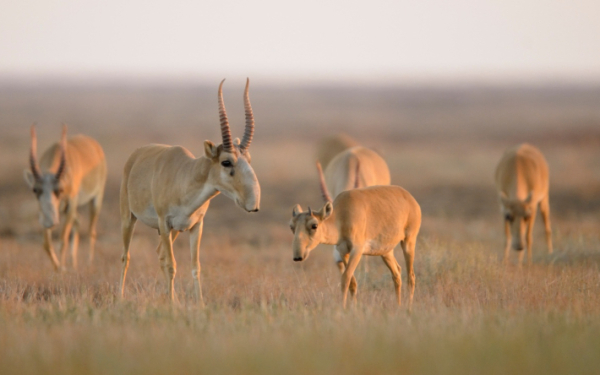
x: 69, y: 174
x: 522, y: 181
x: 169, y: 189
x: 353, y: 168
x: 365, y: 221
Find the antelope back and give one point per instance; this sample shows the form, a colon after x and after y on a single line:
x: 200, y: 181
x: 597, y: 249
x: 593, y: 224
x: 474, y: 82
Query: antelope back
x: 356, y: 167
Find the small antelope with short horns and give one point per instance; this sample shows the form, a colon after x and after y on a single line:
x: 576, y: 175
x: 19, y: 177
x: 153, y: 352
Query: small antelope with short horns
x: 366, y: 221
x: 69, y: 174
x: 169, y: 189
x: 353, y: 168
x: 522, y: 181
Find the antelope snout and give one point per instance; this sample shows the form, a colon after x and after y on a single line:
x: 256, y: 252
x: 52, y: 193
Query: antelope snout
x: 48, y: 221
x: 517, y: 246
x: 298, y: 259
x: 248, y: 206
x: 252, y: 207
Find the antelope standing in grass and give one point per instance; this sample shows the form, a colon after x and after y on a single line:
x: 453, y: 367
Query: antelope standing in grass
x: 367, y: 221
x: 522, y: 183
x: 169, y: 189
x: 70, y: 173
x: 353, y: 168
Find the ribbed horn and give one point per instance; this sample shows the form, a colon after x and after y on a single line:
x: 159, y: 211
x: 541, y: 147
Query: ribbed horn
x: 324, y: 190
x: 249, y: 130
x: 225, y: 132
x: 63, y: 151
x: 35, y: 169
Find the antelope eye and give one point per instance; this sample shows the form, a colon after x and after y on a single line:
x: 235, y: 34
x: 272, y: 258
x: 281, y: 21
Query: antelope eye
x: 314, y: 226
x: 37, y: 191
x: 508, y: 217
x: 58, y: 191
x: 226, y: 163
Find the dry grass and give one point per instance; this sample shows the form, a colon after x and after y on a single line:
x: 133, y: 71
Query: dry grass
x: 267, y: 314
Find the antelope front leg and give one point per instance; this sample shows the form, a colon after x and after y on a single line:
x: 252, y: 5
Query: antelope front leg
x: 353, y: 284
x: 545, y: 211
x: 74, y: 242
x: 127, y: 227
x: 167, y: 260
x: 195, y: 237
x: 530, y: 237
x: 348, y: 274
x: 49, y: 249
x: 66, y: 230
x: 338, y: 260
x: 508, y: 240
x: 95, y: 206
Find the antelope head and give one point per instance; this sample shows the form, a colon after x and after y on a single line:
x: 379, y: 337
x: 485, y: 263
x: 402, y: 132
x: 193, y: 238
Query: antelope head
x: 230, y: 171
x: 307, y: 226
x: 308, y: 229
x: 517, y: 213
x: 48, y: 187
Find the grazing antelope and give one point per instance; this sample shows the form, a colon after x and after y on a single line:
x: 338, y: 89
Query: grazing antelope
x: 367, y: 221
x: 169, y: 189
x: 354, y: 168
x: 522, y: 183
x: 70, y: 173
x: 329, y: 147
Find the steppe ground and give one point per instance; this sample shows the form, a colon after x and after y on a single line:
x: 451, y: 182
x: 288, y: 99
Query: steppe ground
x: 266, y: 314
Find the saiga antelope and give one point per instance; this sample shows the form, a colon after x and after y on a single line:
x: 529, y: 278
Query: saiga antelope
x: 522, y: 184
x: 168, y: 189
x: 354, y: 168
x: 70, y: 173
x: 367, y: 221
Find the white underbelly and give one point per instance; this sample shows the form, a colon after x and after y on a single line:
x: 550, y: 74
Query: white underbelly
x: 376, y: 249
x: 148, y: 217
x: 176, y: 218
x: 84, y: 198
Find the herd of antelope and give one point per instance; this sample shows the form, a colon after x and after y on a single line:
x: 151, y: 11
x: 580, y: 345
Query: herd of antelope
x: 169, y: 189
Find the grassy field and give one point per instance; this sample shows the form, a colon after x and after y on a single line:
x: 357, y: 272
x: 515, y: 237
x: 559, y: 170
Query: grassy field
x: 266, y: 314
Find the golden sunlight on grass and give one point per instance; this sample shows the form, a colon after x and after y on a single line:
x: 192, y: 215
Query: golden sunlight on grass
x: 266, y: 314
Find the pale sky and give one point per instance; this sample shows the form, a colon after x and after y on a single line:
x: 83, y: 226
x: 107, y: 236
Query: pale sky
x: 316, y: 40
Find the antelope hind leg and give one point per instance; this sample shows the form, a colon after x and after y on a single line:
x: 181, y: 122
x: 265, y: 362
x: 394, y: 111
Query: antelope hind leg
x: 392, y: 264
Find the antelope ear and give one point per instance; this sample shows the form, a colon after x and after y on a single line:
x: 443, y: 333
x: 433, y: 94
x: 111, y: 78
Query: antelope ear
x: 297, y: 210
x: 210, y: 150
x: 326, y: 211
x: 29, y: 179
